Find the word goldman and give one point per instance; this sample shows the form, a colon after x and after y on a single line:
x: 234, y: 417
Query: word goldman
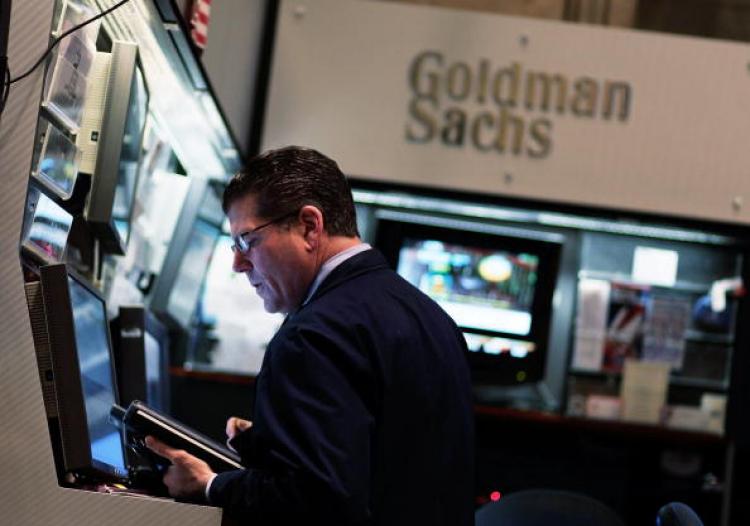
x: 450, y: 104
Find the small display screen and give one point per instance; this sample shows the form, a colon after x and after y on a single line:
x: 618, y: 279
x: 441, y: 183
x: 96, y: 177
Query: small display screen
x: 69, y: 71
x: 127, y: 175
x: 67, y: 92
x: 187, y: 286
x: 48, y: 226
x: 58, y: 159
x: 94, y: 360
x: 480, y: 288
x: 154, y: 381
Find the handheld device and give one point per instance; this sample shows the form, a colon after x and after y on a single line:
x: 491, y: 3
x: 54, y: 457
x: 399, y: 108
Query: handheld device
x: 141, y: 421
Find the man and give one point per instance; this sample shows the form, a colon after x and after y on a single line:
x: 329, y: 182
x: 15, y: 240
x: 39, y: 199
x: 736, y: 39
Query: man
x: 363, y: 410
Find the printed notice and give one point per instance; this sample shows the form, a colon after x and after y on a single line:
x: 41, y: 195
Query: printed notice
x: 591, y: 324
x: 664, y: 332
x: 644, y: 390
x: 655, y: 266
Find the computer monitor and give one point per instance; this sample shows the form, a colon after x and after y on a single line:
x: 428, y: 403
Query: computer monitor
x: 191, y: 272
x: 496, y: 283
x: 45, y: 228
x: 55, y: 164
x: 178, y: 287
x: 141, y: 345
x: 111, y: 136
x: 83, y: 372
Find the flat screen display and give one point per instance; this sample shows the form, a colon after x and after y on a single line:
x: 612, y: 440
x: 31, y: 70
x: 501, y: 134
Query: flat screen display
x: 127, y: 171
x: 66, y: 77
x: 495, y: 281
x: 187, y: 286
x: 47, y: 227
x: 58, y: 160
x: 67, y: 93
x: 153, y: 357
x: 94, y: 360
x: 480, y: 288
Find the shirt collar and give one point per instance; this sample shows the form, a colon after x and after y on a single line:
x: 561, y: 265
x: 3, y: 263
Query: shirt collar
x: 331, y: 264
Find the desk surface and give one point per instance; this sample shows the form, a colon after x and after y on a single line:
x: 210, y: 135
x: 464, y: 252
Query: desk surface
x: 620, y: 428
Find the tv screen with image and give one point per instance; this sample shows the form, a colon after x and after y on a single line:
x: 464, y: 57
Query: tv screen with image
x: 481, y: 288
x: 495, y: 282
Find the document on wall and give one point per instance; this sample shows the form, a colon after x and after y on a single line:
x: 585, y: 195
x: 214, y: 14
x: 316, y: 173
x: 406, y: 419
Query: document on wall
x: 591, y: 324
x: 664, y: 331
x: 644, y: 390
x: 628, y: 304
x: 655, y: 266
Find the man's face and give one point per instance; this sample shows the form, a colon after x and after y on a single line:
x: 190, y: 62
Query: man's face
x: 279, y: 265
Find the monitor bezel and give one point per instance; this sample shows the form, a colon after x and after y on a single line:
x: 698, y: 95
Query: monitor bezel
x: 71, y: 408
x: 502, y: 369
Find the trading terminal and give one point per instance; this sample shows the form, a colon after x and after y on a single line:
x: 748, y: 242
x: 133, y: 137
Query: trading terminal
x: 548, y: 179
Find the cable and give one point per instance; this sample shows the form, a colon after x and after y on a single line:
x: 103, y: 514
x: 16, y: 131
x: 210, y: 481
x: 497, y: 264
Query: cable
x: 58, y: 39
x: 6, y: 86
x: 6, y: 89
x: 7, y: 82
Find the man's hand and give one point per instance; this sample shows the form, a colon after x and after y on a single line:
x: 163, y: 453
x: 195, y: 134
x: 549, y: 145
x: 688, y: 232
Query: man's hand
x: 187, y: 477
x: 236, y: 425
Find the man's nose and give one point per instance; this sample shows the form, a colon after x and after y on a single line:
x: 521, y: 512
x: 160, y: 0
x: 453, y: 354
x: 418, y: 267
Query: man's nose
x: 241, y: 263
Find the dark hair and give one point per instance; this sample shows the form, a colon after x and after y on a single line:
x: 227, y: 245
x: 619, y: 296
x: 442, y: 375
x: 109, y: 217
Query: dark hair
x: 289, y: 178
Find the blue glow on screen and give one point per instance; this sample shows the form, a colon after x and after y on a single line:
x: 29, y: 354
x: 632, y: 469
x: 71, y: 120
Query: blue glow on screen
x: 94, y: 360
x: 108, y: 449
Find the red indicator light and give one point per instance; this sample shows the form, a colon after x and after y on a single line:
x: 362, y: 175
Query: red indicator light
x: 495, y: 496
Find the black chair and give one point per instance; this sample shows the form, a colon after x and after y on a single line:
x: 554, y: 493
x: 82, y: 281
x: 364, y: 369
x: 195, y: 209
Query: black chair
x: 546, y: 507
x: 677, y: 514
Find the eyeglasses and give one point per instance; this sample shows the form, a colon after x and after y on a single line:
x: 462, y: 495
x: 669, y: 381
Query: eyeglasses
x: 243, y: 243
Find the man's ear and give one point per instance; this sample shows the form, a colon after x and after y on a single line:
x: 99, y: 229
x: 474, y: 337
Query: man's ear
x: 313, y: 228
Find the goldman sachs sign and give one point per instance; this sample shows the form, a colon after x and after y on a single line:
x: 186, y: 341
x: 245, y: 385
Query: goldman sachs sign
x: 506, y: 108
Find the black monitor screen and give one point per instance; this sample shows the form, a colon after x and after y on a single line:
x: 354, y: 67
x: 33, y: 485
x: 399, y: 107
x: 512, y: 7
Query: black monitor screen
x: 94, y: 359
x: 141, y: 345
